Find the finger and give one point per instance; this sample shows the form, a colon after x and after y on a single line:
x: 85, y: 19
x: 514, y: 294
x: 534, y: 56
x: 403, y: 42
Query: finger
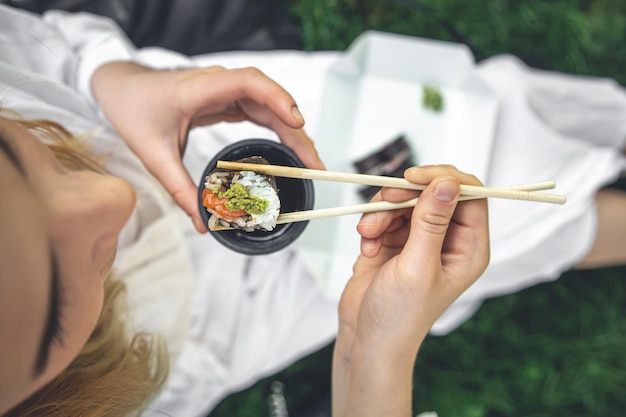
x: 398, y: 194
x: 255, y: 92
x: 302, y: 145
x: 395, y: 236
x: 249, y: 83
x: 296, y: 139
x: 185, y: 195
x: 210, y: 119
x: 471, y: 213
x: 371, y: 231
x: 170, y: 172
x: 429, y: 223
x: 374, y: 225
x: 471, y: 224
x: 419, y: 175
x: 426, y: 173
x: 370, y: 248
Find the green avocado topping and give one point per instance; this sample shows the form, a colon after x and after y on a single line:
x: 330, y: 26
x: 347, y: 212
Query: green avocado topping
x: 240, y: 199
x: 432, y: 98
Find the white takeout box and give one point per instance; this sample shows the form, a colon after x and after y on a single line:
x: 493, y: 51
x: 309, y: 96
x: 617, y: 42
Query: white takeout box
x: 372, y: 94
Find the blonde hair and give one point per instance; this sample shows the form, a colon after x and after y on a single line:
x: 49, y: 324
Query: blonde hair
x: 111, y: 376
x: 114, y: 374
x: 70, y: 150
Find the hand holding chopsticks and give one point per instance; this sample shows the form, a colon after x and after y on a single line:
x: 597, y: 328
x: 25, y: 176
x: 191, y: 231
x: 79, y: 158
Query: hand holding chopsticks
x: 468, y: 192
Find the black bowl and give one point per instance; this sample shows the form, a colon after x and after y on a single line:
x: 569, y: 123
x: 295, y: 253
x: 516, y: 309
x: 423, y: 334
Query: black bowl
x: 294, y: 194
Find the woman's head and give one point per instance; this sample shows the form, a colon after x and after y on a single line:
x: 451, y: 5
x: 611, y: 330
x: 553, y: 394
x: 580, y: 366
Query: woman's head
x: 58, y: 242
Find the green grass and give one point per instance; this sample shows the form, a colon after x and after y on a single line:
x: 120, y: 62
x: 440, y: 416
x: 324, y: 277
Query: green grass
x: 582, y: 37
x: 552, y: 350
x: 556, y: 349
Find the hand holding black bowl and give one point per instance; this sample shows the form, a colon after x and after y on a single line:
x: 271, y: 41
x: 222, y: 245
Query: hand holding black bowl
x: 294, y: 194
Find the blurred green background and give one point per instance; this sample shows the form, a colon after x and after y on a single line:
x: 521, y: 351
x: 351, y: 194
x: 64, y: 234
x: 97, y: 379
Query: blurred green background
x: 556, y: 349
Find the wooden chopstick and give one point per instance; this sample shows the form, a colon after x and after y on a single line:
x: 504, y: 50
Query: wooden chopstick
x: 301, y: 216
x: 533, y: 186
x: 305, y: 215
x: 382, y: 181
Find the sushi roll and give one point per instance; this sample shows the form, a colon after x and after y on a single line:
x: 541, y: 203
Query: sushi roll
x: 243, y: 200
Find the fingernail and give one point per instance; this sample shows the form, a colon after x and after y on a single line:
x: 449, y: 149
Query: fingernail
x: 297, y: 115
x: 446, y: 191
x: 199, y: 224
x: 369, y: 218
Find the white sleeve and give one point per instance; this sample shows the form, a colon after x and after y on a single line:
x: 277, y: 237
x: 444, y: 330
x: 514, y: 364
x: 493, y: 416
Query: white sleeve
x: 94, y: 39
x: 61, y: 46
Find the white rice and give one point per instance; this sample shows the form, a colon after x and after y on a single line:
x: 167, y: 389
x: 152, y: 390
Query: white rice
x: 257, y: 185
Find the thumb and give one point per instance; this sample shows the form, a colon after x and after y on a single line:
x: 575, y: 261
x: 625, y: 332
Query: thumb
x: 431, y: 218
x: 176, y: 180
x: 186, y: 197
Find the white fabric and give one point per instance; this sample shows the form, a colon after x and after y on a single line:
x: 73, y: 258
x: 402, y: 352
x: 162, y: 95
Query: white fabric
x: 227, y: 330
x: 96, y: 40
x: 533, y: 243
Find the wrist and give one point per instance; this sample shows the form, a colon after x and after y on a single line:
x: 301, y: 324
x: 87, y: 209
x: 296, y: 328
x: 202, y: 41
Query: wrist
x: 103, y: 49
x: 113, y: 81
x: 113, y: 73
x: 389, y: 353
x: 399, y: 344
x: 372, y: 381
